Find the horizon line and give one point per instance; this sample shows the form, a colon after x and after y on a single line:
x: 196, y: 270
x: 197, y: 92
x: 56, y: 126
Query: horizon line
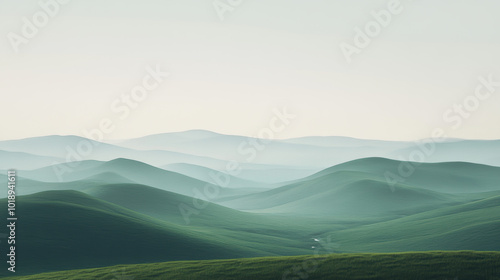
x: 245, y: 136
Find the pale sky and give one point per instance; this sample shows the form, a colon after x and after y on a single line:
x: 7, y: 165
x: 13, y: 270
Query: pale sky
x: 228, y: 76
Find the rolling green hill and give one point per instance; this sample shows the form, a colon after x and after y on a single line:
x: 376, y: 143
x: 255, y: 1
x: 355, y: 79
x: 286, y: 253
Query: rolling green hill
x: 359, y: 188
x: 468, y: 226
x: 366, y: 198
x: 28, y: 186
x: 132, y: 171
x: 124, y: 211
x: 448, y: 177
x: 68, y: 229
x: 276, y: 235
x: 164, y: 205
x: 422, y: 265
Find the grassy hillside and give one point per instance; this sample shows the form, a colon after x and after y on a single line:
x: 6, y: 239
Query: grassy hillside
x: 130, y: 213
x: 449, y: 177
x: 275, y: 234
x: 366, y: 198
x: 68, y: 229
x: 360, y: 188
x: 425, y: 265
x: 469, y: 226
x: 344, y: 194
x: 164, y: 205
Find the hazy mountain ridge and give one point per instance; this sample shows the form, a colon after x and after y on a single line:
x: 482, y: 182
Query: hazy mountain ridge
x: 285, y: 202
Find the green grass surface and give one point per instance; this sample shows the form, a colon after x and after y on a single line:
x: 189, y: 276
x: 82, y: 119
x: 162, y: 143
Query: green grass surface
x: 423, y: 265
x: 68, y: 230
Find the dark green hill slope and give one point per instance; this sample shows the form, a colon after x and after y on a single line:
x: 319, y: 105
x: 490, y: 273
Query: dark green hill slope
x: 422, y: 265
x: 67, y: 229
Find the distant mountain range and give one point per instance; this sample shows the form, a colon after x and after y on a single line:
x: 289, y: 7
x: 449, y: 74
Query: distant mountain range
x: 193, y: 196
x: 213, y: 150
